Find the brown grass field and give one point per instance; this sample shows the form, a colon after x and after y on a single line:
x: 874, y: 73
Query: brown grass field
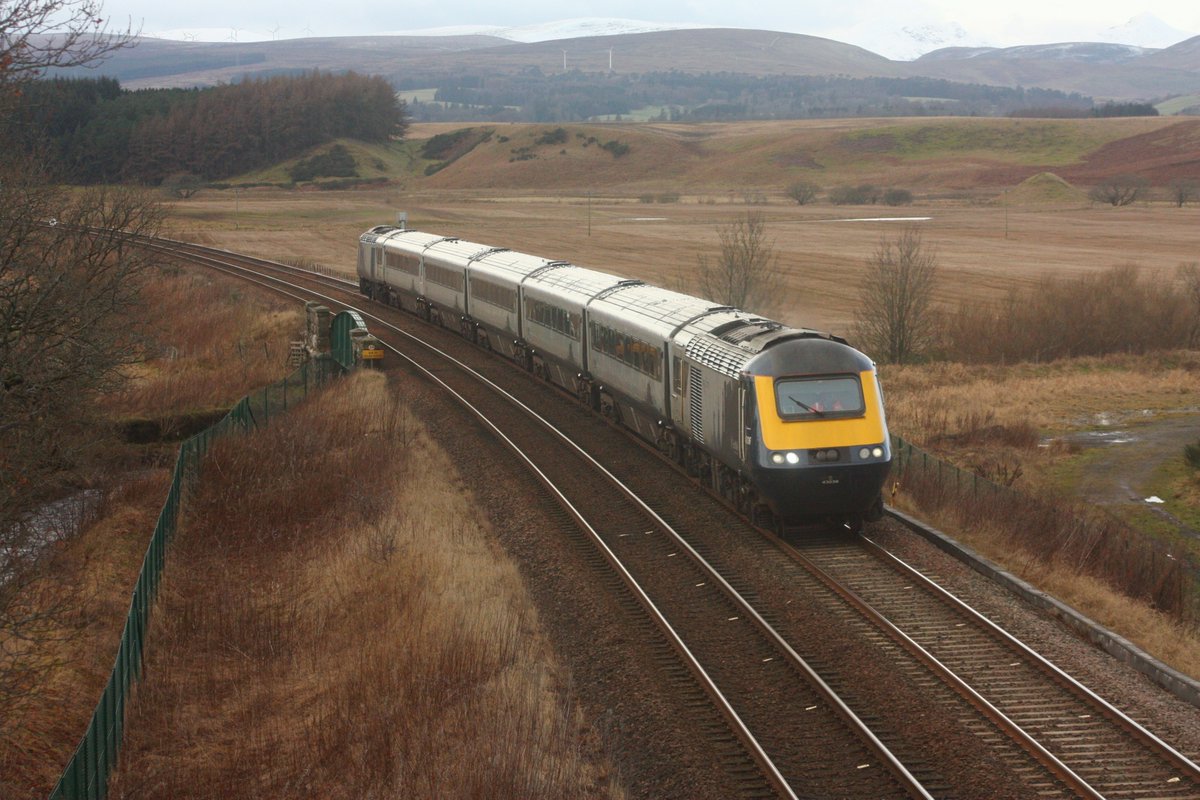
x: 990, y: 228
x: 989, y: 232
x: 1002, y: 204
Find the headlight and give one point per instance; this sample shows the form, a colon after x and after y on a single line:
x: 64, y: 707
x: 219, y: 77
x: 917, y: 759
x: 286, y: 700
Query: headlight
x: 877, y: 452
x: 792, y: 458
x: 776, y: 458
x: 865, y: 453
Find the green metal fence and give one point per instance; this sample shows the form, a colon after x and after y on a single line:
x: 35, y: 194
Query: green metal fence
x: 908, y: 458
x: 86, y: 774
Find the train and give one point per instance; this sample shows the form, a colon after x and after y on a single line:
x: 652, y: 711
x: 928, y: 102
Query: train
x: 786, y: 424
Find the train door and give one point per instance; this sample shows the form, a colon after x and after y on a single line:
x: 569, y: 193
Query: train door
x: 741, y: 423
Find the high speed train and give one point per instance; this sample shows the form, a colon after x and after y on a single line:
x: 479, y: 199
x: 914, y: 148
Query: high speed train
x: 785, y: 423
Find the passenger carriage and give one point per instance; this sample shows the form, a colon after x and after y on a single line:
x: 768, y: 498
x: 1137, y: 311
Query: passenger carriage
x: 555, y: 303
x: 493, y: 315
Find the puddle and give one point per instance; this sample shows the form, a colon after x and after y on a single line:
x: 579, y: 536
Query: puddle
x: 1087, y: 439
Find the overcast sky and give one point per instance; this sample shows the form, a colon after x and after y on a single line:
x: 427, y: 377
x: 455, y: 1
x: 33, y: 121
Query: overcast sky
x: 996, y: 23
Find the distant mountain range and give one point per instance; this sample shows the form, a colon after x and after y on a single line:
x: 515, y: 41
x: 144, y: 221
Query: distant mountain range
x: 897, y: 42
x: 1104, y: 70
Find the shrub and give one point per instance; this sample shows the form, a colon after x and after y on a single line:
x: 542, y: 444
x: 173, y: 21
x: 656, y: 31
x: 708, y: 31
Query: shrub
x: 862, y: 195
x: 802, y: 192
x: 615, y: 147
x: 556, y: 136
x: 1115, y: 311
x: 1191, y: 455
x: 337, y: 163
x: 897, y: 197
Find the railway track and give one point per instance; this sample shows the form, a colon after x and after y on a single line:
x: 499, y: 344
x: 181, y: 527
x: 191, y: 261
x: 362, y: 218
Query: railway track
x: 740, y: 628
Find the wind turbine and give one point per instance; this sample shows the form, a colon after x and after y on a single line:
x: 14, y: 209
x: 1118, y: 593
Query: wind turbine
x: 233, y: 34
x: 275, y: 30
x: 308, y: 30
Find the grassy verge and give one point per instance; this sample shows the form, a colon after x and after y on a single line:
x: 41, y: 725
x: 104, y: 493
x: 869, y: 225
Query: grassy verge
x: 209, y: 341
x: 1017, y: 425
x: 338, y: 623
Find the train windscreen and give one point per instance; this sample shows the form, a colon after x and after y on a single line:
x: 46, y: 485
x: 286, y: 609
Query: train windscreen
x: 815, y: 398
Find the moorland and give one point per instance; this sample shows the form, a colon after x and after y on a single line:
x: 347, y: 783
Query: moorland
x: 1001, y: 204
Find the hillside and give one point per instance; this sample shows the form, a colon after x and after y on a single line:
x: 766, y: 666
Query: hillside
x: 1100, y: 70
x: 930, y: 156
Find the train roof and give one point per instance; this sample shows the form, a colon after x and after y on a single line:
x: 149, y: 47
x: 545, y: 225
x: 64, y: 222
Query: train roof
x: 508, y: 264
x: 407, y: 239
x: 571, y: 284
x: 459, y: 252
x: 651, y: 308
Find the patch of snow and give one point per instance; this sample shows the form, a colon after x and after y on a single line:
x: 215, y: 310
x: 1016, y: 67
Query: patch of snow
x: 550, y: 31
x: 1154, y: 499
x: 882, y: 219
x: 906, y: 42
x: 1144, y: 30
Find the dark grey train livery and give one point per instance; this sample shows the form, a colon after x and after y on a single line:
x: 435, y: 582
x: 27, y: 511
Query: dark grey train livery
x: 785, y: 423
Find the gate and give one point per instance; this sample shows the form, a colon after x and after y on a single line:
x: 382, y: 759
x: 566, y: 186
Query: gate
x: 341, y: 344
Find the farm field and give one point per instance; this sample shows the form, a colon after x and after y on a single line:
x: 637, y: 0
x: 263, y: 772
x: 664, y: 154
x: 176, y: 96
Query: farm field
x: 982, y: 249
x: 1001, y: 203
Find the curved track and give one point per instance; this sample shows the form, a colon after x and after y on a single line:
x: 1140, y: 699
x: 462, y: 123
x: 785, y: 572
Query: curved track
x: 1056, y: 737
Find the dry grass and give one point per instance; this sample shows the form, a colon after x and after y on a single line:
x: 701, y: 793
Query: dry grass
x: 928, y: 401
x: 84, y: 589
x: 338, y: 623
x: 1006, y: 537
x: 212, y: 340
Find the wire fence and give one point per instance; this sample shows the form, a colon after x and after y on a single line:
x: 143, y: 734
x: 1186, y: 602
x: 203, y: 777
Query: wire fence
x: 1088, y: 540
x: 86, y: 774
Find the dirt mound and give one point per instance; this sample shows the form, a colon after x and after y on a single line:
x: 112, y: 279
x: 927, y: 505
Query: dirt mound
x: 1046, y: 187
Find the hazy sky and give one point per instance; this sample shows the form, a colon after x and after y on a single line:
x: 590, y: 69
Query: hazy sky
x: 998, y: 23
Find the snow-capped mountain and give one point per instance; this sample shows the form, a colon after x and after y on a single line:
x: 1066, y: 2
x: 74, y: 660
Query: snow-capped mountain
x: 898, y: 41
x: 1144, y: 30
x: 906, y: 42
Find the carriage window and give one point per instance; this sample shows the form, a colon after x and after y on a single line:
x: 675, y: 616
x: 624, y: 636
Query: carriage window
x: 494, y: 294
x: 557, y: 319
x: 632, y: 351
x: 450, y: 278
x: 402, y: 262
x: 677, y: 368
x: 814, y: 398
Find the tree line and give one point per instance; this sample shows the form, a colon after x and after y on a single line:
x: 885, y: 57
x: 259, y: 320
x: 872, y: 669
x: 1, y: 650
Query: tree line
x: 532, y: 96
x: 93, y: 131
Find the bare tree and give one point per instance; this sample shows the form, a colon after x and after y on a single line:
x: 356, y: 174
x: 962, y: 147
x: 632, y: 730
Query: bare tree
x: 746, y: 274
x: 69, y: 291
x: 1118, y: 190
x: 895, y: 322
x: 803, y: 192
x: 37, y: 35
x: 1183, y: 191
x: 68, y: 284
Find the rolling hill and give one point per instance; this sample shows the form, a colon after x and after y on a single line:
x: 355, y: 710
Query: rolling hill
x: 1102, y: 71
